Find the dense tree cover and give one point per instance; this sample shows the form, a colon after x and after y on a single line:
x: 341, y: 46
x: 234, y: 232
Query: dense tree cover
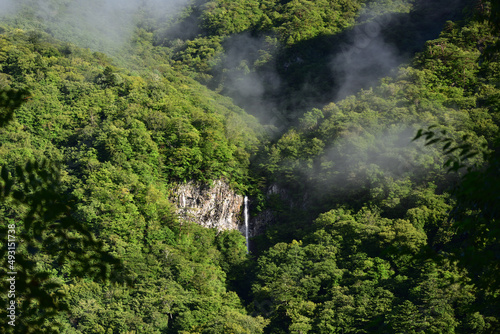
x: 292, y: 21
x: 286, y: 22
x: 360, y: 273
x: 240, y: 48
x: 121, y: 140
x: 160, y: 124
x: 364, y: 141
x: 277, y: 59
x: 246, y: 43
x: 47, y: 230
x: 374, y: 234
x: 358, y: 154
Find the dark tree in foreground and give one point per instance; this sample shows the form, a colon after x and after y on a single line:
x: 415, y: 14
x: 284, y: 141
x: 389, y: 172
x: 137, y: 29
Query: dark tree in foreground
x: 37, y: 223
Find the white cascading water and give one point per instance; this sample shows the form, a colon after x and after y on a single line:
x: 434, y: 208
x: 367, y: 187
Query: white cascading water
x: 246, y: 221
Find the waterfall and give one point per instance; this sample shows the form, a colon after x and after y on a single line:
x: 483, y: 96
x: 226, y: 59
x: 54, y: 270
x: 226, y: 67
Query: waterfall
x: 246, y: 221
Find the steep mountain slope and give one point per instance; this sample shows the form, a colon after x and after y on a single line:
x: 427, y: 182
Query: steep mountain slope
x: 123, y: 141
x: 389, y: 253
x: 370, y: 232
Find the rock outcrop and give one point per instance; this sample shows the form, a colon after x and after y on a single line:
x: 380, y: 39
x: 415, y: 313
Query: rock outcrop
x: 218, y: 206
x: 213, y: 206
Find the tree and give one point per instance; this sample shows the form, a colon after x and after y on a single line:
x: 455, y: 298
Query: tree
x: 475, y: 216
x: 37, y: 222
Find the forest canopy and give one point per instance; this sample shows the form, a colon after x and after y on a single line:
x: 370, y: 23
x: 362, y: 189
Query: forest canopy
x: 367, y: 130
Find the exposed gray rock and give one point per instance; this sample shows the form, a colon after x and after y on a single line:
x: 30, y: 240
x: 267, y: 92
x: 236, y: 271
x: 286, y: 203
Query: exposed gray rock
x: 218, y: 206
x: 213, y: 206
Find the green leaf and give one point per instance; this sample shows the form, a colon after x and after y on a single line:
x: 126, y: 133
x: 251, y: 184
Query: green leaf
x: 418, y: 135
x: 435, y: 140
x: 470, y: 155
x: 5, y: 174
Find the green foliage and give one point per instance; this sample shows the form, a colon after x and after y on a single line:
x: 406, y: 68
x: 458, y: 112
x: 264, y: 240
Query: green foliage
x: 162, y: 120
x: 38, y: 217
x: 293, y: 21
x: 223, y: 18
x: 120, y: 139
x: 370, y: 234
x: 10, y: 100
x: 465, y: 150
x: 350, y: 275
x: 359, y: 152
x: 475, y: 215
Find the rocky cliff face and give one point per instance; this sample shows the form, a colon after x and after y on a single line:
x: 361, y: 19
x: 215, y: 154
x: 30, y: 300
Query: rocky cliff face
x: 214, y: 206
x: 218, y: 206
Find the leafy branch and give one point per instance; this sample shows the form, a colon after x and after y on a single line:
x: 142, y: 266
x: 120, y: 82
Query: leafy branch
x: 454, y: 162
x: 37, y: 215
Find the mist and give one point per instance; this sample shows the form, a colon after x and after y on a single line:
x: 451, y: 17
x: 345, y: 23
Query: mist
x: 246, y: 83
x: 365, y: 56
x: 373, y: 164
x: 101, y: 25
x: 377, y: 46
x: 392, y: 150
x: 362, y: 63
x: 8, y: 7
